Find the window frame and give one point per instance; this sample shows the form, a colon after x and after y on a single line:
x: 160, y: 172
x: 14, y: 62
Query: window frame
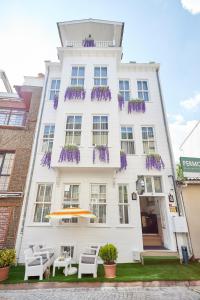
x: 152, y: 178
x: 148, y: 140
x: 9, y: 112
x: 123, y: 204
x: 142, y: 90
x: 42, y: 202
x: 122, y: 92
x: 98, y: 203
x: 100, y: 130
x: 56, y: 90
x: 48, y: 139
x: 100, y: 78
x: 2, y: 166
x: 78, y: 77
x: 70, y: 203
x: 127, y: 140
x: 73, y: 130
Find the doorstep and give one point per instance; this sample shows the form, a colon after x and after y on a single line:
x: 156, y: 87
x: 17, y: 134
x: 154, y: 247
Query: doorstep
x: 50, y: 285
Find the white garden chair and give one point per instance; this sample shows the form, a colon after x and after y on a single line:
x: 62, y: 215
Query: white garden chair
x: 88, y: 262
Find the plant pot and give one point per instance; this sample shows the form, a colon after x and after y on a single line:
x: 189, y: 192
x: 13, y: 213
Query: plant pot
x: 110, y: 271
x: 4, y: 273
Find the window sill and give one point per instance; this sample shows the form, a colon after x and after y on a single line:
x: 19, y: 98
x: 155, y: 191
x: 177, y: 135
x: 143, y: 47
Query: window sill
x: 12, y: 127
x: 39, y: 225
x: 125, y: 226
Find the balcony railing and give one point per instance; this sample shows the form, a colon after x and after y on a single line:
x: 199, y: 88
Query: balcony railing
x: 98, y: 44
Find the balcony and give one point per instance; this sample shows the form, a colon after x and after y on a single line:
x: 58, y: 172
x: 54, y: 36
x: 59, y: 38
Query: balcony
x: 97, y: 44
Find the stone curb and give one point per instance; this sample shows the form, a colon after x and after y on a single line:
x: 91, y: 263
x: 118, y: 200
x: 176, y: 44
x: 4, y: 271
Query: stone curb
x: 50, y: 285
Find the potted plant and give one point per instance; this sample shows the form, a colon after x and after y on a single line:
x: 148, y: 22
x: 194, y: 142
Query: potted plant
x: 7, y: 258
x: 108, y: 254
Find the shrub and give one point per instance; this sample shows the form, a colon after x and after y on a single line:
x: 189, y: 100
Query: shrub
x: 7, y: 257
x: 108, y: 254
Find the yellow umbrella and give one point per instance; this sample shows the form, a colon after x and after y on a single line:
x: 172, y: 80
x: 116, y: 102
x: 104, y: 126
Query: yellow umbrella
x: 68, y: 213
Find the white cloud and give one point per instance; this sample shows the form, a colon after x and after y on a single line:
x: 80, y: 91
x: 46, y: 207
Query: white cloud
x: 179, y: 129
x: 193, y: 6
x: 192, y: 102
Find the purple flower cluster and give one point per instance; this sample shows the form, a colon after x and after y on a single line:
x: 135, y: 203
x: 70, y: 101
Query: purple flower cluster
x: 70, y: 153
x: 123, y: 161
x: 101, y: 93
x: 55, y: 101
x: 88, y: 43
x: 103, y: 153
x: 154, y: 161
x: 46, y: 160
x: 75, y: 92
x: 120, y: 101
x: 136, y: 105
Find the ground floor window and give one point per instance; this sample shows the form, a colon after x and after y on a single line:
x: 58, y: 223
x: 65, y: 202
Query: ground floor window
x: 123, y: 204
x: 43, y: 202
x: 98, y: 202
x: 71, y: 199
x: 152, y: 184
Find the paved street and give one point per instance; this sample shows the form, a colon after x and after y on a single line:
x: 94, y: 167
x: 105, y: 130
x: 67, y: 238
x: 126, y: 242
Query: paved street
x: 133, y: 293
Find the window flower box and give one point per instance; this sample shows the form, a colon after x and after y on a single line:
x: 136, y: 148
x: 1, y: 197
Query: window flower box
x: 120, y: 101
x: 154, y: 161
x: 46, y: 160
x: 75, y: 92
x: 88, y: 43
x: 55, y: 101
x: 123, y: 161
x: 103, y: 153
x: 70, y: 153
x: 136, y: 105
x: 101, y: 93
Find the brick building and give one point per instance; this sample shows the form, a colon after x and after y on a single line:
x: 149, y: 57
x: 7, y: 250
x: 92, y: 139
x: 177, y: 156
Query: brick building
x: 18, y: 117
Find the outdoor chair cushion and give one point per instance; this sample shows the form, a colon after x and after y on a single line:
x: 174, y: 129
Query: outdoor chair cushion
x: 90, y: 251
x: 36, y: 262
x: 45, y: 255
x: 87, y: 260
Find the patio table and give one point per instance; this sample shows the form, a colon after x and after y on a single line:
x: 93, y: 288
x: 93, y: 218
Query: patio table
x: 58, y: 263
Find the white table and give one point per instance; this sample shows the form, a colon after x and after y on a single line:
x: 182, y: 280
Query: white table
x: 58, y: 263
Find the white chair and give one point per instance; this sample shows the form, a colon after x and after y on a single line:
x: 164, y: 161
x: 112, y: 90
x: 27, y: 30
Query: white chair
x: 88, y: 262
x: 42, y: 251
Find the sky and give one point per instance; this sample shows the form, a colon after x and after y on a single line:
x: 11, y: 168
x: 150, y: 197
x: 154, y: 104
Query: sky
x: 164, y: 31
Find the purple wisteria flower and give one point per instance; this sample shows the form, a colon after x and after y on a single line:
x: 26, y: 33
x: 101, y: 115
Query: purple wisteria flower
x: 123, y: 161
x: 103, y: 153
x: 101, y: 93
x: 70, y: 153
x: 46, y: 160
x: 88, y: 43
x: 55, y: 101
x: 75, y: 92
x: 136, y: 105
x: 154, y: 161
x: 120, y: 101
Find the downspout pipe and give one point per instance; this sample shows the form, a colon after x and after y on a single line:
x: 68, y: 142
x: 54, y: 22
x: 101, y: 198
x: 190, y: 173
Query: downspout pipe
x: 32, y: 162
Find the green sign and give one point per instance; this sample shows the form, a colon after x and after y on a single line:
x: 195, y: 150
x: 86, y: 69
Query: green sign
x: 190, y: 164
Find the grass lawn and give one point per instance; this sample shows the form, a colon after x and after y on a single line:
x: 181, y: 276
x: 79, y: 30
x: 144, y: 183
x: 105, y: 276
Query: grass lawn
x: 153, y: 269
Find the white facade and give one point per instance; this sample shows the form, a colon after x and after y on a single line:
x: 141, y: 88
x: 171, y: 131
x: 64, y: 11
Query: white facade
x: 107, y: 53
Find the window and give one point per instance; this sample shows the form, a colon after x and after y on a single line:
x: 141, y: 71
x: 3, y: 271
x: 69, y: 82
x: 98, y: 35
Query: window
x: 12, y: 117
x: 48, y: 137
x: 98, y: 202
x: 43, y: 203
x: 78, y: 76
x: 127, y: 143
x: 153, y: 184
x: 6, y: 164
x: 100, y: 130
x: 123, y: 204
x: 100, y: 76
x: 55, y: 88
x: 71, y: 199
x: 148, y: 140
x: 73, y: 130
x: 143, y: 92
x: 124, y: 89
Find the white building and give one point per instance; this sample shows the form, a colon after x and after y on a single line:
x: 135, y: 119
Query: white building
x: 124, y: 218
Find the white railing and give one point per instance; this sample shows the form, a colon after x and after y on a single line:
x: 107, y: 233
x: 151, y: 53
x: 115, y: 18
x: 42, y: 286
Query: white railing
x: 98, y: 44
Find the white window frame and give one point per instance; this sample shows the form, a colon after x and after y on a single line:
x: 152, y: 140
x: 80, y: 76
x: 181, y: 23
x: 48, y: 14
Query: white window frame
x: 49, y: 140
x: 101, y: 77
x: 71, y: 203
x: 100, y: 130
x: 7, y: 114
x: 43, y: 203
x: 98, y: 203
x: 152, y: 178
x: 77, y: 77
x: 73, y: 130
x: 148, y: 140
x: 142, y: 90
x: 123, y: 204
x: 56, y: 90
x: 127, y: 140
x: 124, y: 91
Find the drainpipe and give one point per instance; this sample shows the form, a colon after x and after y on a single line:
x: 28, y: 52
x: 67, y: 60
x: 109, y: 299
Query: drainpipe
x: 33, y: 157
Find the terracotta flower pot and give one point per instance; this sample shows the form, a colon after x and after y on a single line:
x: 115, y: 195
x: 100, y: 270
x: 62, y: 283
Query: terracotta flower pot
x: 110, y: 271
x: 4, y: 273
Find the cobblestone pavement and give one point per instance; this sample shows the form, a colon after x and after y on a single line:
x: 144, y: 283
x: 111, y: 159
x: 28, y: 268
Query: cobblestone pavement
x: 104, y: 293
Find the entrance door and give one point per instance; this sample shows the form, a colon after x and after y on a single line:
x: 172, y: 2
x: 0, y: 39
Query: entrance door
x: 151, y: 222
